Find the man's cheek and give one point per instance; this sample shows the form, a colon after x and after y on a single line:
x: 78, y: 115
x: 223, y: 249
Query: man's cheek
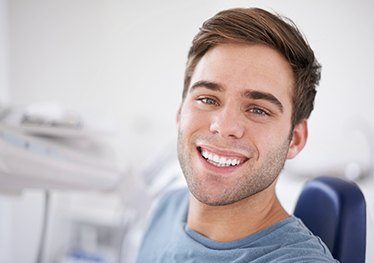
x: 187, y: 120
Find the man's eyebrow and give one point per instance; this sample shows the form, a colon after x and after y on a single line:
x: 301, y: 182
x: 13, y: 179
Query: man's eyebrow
x: 252, y: 94
x: 207, y: 84
x: 259, y: 95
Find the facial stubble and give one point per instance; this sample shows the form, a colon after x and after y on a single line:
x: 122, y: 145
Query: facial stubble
x: 256, y: 179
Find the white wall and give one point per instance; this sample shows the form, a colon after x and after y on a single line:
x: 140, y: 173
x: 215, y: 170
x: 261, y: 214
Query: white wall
x: 4, y: 51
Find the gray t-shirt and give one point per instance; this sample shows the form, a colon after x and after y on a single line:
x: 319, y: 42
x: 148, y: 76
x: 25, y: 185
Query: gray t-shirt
x: 169, y: 239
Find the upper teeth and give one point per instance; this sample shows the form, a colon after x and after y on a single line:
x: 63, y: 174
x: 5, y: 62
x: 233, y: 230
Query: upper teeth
x: 219, y: 160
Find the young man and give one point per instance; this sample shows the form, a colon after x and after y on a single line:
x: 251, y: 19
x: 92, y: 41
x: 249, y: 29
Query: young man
x: 249, y: 89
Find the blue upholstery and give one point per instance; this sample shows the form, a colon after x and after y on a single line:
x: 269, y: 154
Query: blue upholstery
x: 335, y: 210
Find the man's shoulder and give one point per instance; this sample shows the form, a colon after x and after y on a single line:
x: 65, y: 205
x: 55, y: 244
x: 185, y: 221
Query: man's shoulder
x: 164, y: 225
x: 172, y: 198
x: 296, y: 243
x: 168, y: 205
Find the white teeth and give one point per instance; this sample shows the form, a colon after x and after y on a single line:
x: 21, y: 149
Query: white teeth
x: 219, y: 160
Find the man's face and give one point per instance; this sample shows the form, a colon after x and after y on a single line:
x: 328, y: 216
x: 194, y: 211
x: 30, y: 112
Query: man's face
x: 234, y: 125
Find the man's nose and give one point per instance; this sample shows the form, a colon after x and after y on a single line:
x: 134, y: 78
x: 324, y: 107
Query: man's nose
x: 228, y: 123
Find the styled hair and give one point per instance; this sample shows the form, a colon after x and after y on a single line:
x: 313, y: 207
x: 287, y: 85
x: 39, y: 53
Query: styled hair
x: 257, y: 26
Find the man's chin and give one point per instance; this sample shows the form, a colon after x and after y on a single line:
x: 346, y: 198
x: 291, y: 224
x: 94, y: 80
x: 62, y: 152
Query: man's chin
x: 215, y: 199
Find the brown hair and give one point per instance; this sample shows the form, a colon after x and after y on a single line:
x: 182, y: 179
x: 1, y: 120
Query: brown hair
x: 257, y: 26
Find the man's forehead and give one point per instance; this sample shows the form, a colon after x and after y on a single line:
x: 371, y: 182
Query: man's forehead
x: 254, y: 67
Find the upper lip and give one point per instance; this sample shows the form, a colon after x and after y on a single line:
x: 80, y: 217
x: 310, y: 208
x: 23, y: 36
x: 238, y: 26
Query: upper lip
x: 224, y: 152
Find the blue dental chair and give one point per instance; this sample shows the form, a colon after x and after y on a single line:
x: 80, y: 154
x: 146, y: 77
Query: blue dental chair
x: 335, y: 210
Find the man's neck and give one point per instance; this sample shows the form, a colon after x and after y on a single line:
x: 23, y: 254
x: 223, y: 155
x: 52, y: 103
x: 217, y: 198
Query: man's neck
x: 238, y: 220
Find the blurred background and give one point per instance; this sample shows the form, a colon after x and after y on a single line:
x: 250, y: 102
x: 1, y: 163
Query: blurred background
x: 88, y: 97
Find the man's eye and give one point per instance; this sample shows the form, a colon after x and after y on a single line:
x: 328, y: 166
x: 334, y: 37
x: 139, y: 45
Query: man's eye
x: 208, y: 101
x: 258, y: 111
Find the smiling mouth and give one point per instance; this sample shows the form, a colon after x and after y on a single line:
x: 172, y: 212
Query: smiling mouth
x: 221, y: 160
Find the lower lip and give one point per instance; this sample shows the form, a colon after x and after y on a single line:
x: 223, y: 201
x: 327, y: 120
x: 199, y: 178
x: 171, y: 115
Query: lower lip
x: 216, y: 169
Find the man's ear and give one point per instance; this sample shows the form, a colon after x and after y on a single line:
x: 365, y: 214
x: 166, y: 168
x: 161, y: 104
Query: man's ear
x: 299, y: 138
